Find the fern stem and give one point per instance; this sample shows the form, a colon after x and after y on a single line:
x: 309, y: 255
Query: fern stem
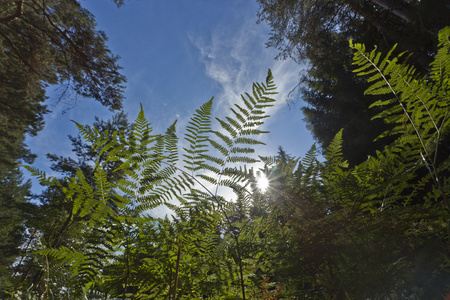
x: 222, y: 209
x: 177, y: 268
x: 423, y: 103
x: 398, y: 99
x: 240, y: 265
x: 45, y: 293
x: 127, y: 260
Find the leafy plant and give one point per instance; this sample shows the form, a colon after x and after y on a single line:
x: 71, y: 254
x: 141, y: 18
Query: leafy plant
x: 419, y: 108
x: 122, y: 250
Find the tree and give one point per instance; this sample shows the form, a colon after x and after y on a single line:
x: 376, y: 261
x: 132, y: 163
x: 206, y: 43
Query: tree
x: 335, y: 99
x: 297, y: 24
x: 46, y: 43
x: 59, y: 229
x: 317, y: 31
x: 14, y: 195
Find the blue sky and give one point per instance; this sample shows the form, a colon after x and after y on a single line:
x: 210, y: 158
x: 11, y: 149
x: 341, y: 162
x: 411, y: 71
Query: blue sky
x: 176, y: 55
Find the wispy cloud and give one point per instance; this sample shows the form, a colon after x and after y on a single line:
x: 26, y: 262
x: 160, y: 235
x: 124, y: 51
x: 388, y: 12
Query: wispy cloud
x: 236, y: 58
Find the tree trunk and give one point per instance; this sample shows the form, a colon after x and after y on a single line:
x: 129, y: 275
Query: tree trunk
x: 398, y: 8
x: 373, y: 19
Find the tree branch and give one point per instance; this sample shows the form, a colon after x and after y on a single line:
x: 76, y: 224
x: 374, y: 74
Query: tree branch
x: 14, y: 16
x: 21, y: 58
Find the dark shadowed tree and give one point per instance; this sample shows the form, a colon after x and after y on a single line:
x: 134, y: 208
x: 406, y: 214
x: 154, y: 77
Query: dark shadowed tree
x: 44, y: 43
x: 49, y: 43
x: 335, y: 98
x: 318, y: 31
x: 14, y: 194
x: 296, y: 23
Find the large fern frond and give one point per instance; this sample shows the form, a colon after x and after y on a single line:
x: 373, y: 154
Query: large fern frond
x: 235, y: 140
x: 420, y: 111
x: 198, y: 129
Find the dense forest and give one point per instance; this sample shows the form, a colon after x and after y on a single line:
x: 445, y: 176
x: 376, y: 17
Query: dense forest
x: 371, y: 220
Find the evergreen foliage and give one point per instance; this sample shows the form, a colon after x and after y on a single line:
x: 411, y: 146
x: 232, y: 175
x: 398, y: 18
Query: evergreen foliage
x: 45, y: 43
x: 323, y: 230
x: 49, y: 43
x: 14, y: 194
x: 315, y: 33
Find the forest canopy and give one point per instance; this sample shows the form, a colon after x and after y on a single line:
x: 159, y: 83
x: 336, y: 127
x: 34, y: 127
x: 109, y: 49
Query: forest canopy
x: 49, y: 43
x: 321, y: 230
x: 351, y: 219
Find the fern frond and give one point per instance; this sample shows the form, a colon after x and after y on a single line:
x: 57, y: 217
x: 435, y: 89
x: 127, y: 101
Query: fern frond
x: 41, y: 176
x: 389, y: 79
x: 334, y: 151
x: 210, y: 179
x: 87, y: 132
x: 310, y: 158
x: 198, y: 128
x: 440, y: 67
x: 170, y: 144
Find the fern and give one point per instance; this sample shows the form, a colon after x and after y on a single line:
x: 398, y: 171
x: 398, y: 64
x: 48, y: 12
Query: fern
x: 422, y: 111
x: 198, y: 128
x: 235, y: 141
x: 119, y: 250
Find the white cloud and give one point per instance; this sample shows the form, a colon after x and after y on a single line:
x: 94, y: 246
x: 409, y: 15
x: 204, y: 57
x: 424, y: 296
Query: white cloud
x: 236, y: 58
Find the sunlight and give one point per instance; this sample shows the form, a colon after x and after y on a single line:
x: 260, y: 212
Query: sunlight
x: 262, y: 182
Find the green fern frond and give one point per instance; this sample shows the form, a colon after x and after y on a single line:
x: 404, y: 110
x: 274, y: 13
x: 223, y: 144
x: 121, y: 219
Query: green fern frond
x: 241, y: 159
x: 198, y: 128
x: 246, y: 150
x: 391, y: 77
x: 227, y: 127
x: 440, y: 67
x: 41, y: 176
x: 87, y: 132
x: 422, y: 112
x: 170, y: 144
x: 223, y: 150
x: 310, y: 158
x: 268, y: 160
x: 209, y: 179
x: 334, y: 151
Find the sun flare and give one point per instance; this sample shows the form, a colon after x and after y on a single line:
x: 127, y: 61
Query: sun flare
x: 262, y: 182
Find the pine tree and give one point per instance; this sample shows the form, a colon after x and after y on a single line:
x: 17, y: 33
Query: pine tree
x: 316, y: 32
x: 46, y: 43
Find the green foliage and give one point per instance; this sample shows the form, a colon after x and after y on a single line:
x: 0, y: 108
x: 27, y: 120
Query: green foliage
x: 419, y: 109
x: 376, y: 230
x: 317, y: 32
x: 322, y: 230
x: 120, y: 249
x: 13, y: 200
x: 46, y: 43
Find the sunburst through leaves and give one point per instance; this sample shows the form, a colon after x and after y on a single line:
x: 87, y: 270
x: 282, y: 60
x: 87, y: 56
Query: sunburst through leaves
x: 262, y: 182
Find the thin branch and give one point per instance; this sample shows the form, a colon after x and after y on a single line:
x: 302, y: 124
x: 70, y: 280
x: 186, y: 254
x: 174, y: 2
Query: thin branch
x: 21, y: 58
x: 16, y: 14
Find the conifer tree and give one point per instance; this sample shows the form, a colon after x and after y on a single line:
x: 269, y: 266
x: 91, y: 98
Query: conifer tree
x: 49, y: 43
x: 316, y: 32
